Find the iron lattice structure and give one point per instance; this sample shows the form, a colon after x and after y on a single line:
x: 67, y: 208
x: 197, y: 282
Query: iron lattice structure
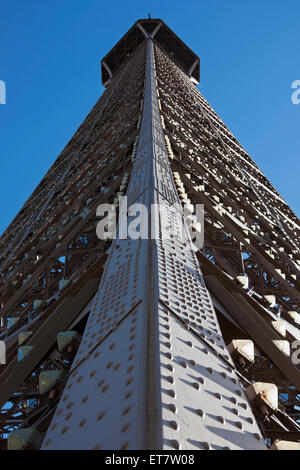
x: 125, y: 344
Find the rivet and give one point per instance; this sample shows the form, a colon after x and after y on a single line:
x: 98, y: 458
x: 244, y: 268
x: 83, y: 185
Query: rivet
x: 206, y: 445
x: 124, y: 445
x: 201, y: 413
x: 125, y: 427
x: 172, y: 408
x: 175, y: 444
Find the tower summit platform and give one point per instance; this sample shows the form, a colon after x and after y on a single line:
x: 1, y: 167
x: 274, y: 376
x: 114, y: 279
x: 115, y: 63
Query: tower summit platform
x: 157, y: 30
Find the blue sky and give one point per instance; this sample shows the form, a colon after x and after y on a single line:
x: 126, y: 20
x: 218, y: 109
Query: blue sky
x: 50, y: 54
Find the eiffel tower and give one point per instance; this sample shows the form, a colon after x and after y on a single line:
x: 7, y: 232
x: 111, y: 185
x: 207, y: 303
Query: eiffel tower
x: 147, y: 342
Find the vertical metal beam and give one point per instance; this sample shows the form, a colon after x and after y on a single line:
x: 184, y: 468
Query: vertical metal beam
x: 156, y: 30
x: 192, y: 68
x: 152, y: 370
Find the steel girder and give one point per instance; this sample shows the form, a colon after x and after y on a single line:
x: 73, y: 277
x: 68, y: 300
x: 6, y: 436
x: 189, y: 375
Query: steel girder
x: 152, y: 369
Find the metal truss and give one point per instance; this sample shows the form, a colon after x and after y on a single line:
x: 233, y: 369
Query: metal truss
x: 251, y: 254
x: 42, y: 271
x: 151, y: 359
